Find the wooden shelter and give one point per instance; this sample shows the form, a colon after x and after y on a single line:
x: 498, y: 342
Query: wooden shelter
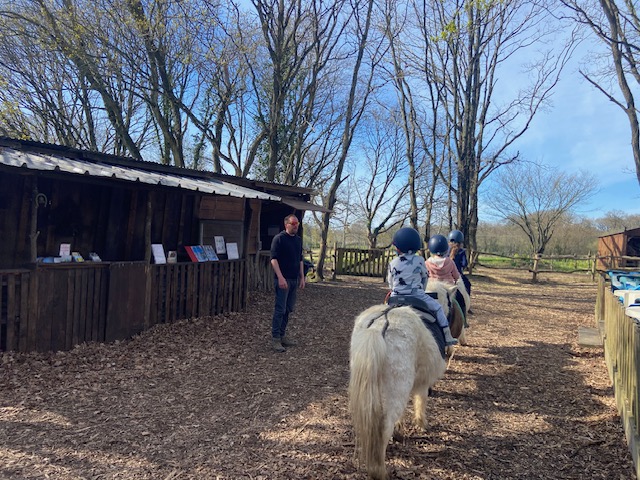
x: 116, y: 213
x: 619, y: 250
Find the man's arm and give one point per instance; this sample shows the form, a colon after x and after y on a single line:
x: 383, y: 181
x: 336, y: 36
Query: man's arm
x: 301, y: 280
x: 282, y: 282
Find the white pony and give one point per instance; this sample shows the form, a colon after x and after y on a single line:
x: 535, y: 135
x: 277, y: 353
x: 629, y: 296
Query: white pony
x: 393, y: 356
x: 446, y: 296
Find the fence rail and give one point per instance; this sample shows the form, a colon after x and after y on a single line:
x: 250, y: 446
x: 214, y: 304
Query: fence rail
x: 58, y: 307
x: 374, y: 262
x: 538, y: 263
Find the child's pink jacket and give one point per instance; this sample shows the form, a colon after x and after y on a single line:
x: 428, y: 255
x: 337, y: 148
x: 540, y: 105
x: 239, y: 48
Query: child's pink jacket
x: 442, y: 268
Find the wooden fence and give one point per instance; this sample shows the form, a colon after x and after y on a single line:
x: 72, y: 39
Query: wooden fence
x: 58, y: 307
x: 622, y: 356
x: 537, y: 264
x: 364, y: 262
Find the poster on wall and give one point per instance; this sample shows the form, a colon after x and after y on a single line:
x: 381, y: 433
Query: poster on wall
x: 192, y: 254
x: 65, y: 249
x: 232, y: 251
x: 220, y: 245
x: 158, y: 253
x: 210, y: 253
x: 198, y: 250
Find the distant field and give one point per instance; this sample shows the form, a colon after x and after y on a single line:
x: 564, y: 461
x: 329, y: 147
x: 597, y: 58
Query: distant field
x: 492, y: 261
x: 559, y: 265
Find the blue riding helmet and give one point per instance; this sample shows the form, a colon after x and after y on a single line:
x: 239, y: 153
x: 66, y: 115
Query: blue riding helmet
x: 438, y: 245
x: 456, y: 236
x: 407, y: 240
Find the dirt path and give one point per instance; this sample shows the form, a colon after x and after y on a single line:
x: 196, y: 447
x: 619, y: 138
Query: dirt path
x: 207, y: 399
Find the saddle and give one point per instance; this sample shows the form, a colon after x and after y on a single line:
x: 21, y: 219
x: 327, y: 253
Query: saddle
x: 427, y: 317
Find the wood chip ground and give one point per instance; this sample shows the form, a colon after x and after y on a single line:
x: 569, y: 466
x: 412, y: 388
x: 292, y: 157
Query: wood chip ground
x: 208, y: 399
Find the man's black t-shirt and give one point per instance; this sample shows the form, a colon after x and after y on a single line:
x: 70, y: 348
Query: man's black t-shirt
x: 287, y: 250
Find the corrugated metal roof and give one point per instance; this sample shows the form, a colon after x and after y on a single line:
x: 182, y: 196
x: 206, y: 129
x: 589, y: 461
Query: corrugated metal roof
x: 302, y: 205
x: 48, y: 162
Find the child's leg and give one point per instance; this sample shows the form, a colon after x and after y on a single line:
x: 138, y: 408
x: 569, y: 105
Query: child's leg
x: 436, y: 308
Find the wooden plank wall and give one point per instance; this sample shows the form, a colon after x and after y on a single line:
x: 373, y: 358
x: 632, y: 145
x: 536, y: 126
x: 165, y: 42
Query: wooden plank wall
x: 253, y: 212
x: 16, y: 316
x: 127, y: 307
x: 95, y: 216
x: 15, y: 212
x: 610, y: 247
x: 184, y: 290
x: 221, y: 208
x: 259, y: 272
x: 58, y: 307
x: 71, y: 306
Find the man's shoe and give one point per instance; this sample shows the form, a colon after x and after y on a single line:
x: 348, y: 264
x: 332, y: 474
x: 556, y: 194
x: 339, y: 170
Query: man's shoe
x: 276, y: 344
x: 288, y: 342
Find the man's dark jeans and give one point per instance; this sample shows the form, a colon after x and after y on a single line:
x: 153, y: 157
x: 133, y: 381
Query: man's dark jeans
x: 285, y: 301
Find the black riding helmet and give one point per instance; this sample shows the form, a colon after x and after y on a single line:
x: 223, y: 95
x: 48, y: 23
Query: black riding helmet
x: 407, y: 240
x: 438, y: 245
x: 456, y: 236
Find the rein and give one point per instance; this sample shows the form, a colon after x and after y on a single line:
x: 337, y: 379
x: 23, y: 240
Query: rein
x: 386, y: 318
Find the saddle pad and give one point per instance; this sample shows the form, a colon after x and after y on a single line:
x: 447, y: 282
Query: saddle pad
x: 436, y: 331
x: 409, y: 300
x: 427, y: 318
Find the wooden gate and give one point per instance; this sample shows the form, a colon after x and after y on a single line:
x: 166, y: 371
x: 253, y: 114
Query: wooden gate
x: 372, y: 262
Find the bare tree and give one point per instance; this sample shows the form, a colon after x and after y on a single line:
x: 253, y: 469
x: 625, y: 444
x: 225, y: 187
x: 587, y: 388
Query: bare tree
x: 363, y: 70
x: 87, y: 84
x: 381, y: 186
x: 536, y: 198
x: 300, y: 39
x: 466, y: 46
x: 617, y: 26
x: 617, y: 221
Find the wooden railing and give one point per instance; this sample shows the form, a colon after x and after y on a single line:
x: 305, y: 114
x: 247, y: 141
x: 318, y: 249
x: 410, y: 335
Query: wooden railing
x: 59, y: 306
x: 536, y: 264
x: 622, y: 356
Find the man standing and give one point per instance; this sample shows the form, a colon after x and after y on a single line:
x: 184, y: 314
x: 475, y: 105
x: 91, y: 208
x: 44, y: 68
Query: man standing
x: 286, y: 261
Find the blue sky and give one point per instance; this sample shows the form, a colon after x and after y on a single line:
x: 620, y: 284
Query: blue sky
x: 583, y: 130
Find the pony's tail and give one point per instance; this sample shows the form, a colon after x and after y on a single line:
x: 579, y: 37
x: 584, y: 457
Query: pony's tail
x: 368, y: 353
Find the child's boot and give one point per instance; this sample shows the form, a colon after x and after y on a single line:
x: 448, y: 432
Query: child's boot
x: 448, y: 338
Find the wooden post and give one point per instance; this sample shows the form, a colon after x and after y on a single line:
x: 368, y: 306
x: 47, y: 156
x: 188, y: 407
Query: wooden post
x: 473, y: 258
x: 536, y: 260
x: 33, y: 236
x: 147, y: 230
x: 334, y: 273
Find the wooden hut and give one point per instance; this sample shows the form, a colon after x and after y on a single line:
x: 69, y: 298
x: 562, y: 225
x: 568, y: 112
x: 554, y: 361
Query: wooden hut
x: 619, y: 250
x: 84, y: 239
